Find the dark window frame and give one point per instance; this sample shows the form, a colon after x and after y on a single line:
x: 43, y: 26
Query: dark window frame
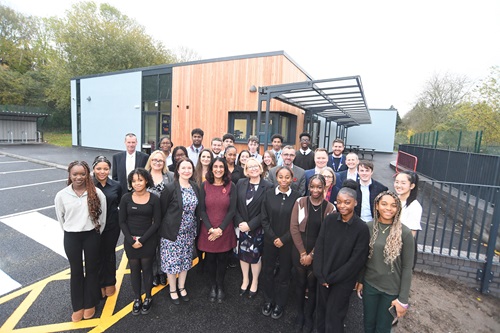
x: 276, y: 118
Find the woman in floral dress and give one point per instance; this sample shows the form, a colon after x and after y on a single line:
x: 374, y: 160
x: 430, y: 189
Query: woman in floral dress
x: 179, y: 202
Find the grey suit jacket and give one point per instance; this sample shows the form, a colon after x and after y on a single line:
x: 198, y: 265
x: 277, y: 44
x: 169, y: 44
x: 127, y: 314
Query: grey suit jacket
x: 299, y: 179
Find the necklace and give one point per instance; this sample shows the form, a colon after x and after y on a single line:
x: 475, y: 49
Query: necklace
x: 79, y: 193
x: 383, y: 231
x: 314, y: 207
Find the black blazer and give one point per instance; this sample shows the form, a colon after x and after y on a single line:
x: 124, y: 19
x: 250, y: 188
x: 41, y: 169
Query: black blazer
x: 172, y: 210
x: 119, y: 167
x: 250, y: 213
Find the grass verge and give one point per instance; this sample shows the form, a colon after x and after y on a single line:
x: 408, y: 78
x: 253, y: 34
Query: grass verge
x: 58, y: 138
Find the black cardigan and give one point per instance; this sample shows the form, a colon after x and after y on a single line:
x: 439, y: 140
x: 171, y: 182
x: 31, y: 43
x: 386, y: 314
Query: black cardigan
x: 171, y: 209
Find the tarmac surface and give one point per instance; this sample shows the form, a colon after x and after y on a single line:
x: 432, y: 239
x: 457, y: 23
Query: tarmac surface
x: 34, y: 273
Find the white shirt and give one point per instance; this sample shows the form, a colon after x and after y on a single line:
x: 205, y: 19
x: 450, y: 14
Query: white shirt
x: 277, y: 191
x: 73, y: 212
x: 366, y: 212
x: 305, y: 152
x: 411, y: 215
x: 352, y: 176
x: 130, y: 164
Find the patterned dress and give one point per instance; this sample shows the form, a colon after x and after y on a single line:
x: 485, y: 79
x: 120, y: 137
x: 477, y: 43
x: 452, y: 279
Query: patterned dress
x: 177, y: 256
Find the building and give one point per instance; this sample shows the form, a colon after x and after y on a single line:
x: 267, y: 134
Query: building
x: 222, y: 95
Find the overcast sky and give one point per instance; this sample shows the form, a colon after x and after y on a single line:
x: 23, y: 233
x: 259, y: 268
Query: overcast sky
x: 395, y: 46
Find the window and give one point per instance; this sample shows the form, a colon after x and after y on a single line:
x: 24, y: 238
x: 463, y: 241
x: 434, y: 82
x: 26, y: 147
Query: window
x: 244, y: 124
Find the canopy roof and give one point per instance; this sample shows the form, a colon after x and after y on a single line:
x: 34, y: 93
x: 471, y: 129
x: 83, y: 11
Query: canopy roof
x: 341, y: 100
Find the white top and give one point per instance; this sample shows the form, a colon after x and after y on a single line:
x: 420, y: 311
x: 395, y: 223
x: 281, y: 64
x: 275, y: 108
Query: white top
x: 366, y: 212
x: 353, y: 176
x: 411, y: 215
x: 73, y: 213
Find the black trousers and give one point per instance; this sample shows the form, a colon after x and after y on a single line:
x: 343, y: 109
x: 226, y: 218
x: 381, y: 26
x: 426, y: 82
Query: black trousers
x: 215, y: 266
x: 305, y: 279
x: 84, y: 283
x: 107, y: 269
x: 331, y: 307
x: 276, y: 290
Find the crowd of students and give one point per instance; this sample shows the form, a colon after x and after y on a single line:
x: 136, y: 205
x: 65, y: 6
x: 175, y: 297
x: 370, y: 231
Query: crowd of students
x: 318, y: 217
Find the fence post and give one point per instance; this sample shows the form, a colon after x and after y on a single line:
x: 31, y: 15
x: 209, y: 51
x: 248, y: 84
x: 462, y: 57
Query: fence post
x: 487, y: 275
x: 459, y: 140
x: 436, y: 138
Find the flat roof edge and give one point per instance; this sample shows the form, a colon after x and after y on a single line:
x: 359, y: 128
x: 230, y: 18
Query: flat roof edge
x: 196, y: 62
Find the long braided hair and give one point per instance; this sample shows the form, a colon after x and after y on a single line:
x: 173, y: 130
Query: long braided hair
x: 93, y: 202
x: 394, y: 242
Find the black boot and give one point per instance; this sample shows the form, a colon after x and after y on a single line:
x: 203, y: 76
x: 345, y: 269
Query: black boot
x: 220, y: 294
x: 213, y: 294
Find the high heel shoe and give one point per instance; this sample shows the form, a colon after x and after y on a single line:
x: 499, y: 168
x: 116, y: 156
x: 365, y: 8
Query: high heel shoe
x: 89, y: 313
x: 185, y: 298
x: 77, y: 316
x: 243, y: 291
x: 252, y: 294
x: 176, y: 301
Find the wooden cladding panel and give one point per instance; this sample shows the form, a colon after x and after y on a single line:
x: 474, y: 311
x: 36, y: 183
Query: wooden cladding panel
x: 203, y: 94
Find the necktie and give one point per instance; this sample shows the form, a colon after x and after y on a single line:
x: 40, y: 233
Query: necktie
x: 196, y: 150
x: 304, y: 153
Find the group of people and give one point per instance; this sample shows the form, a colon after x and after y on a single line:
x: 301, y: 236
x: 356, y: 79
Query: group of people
x: 328, y: 224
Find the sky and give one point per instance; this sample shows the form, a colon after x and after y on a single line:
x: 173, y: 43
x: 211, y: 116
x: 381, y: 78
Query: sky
x: 394, y: 46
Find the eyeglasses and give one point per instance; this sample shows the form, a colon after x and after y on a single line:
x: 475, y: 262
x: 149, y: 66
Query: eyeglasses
x: 328, y: 177
x: 156, y: 161
x: 253, y: 167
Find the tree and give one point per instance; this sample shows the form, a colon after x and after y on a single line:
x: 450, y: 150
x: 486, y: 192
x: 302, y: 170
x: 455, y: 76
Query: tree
x: 436, y: 104
x: 91, y: 40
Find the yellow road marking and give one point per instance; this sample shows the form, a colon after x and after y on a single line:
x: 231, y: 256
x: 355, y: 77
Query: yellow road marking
x: 106, y: 320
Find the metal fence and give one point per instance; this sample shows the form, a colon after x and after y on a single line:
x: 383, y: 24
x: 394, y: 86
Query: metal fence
x: 451, y: 140
x: 456, y: 166
x: 457, y: 222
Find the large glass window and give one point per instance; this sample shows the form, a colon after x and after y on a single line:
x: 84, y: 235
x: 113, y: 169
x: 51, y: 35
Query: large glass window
x: 156, y: 108
x: 244, y: 124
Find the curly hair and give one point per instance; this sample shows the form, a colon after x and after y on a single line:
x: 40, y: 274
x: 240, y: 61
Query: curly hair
x: 93, y: 202
x: 394, y: 242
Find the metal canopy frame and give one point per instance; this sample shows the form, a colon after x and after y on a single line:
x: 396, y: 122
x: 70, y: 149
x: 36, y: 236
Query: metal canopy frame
x: 341, y: 100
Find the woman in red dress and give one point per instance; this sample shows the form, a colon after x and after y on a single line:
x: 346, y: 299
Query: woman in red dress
x: 217, y: 237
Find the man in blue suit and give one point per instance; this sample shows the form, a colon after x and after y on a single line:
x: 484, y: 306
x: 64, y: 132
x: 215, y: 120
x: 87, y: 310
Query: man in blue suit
x: 336, y: 160
x: 352, y: 161
x: 126, y: 161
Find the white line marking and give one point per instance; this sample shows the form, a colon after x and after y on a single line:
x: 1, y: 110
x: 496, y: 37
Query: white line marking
x: 35, y: 184
x: 13, y: 162
x: 26, y: 212
x: 40, y: 228
x: 30, y: 170
x: 7, y: 284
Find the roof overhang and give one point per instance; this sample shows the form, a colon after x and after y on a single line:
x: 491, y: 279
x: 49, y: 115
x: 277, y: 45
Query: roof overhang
x: 341, y: 100
x: 24, y: 116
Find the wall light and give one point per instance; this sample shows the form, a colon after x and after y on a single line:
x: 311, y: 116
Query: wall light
x: 89, y: 98
x: 253, y: 89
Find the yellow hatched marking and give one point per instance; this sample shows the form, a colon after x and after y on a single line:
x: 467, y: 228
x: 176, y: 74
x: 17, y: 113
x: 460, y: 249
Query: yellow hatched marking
x: 106, y: 320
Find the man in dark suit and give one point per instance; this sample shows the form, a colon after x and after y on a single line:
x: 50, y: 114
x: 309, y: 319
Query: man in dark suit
x: 368, y: 189
x: 126, y: 161
x: 336, y: 160
x: 299, y: 177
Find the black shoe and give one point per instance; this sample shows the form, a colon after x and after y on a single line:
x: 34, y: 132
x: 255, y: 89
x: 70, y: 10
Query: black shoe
x: 267, y: 308
x: 252, y: 294
x: 176, y: 301
x: 146, y: 306
x: 184, y: 298
x: 136, y: 308
x: 277, y: 312
x: 213, y: 294
x: 220, y: 294
x: 163, y: 279
x: 156, y: 280
x: 243, y: 291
